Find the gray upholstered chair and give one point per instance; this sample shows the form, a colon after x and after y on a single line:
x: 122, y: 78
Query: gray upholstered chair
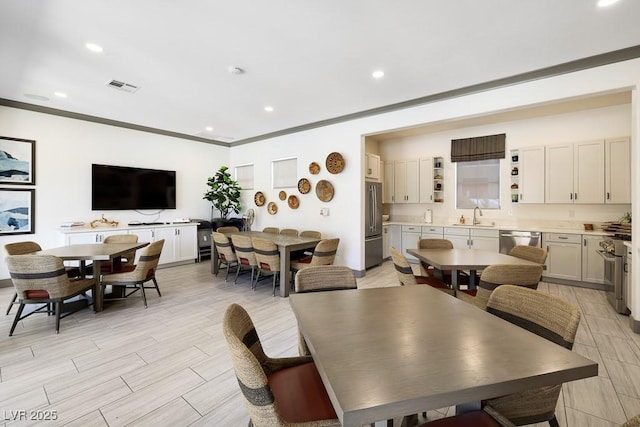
x: 274, y: 230
x: 549, y: 317
x: 144, y: 271
x: 322, y: 278
x: 42, y: 279
x: 406, y: 276
x: 530, y: 253
x: 323, y: 254
x: 276, y: 391
x: 245, y: 254
x: 228, y: 229
x: 502, y: 274
x: 289, y: 232
x: 268, y: 258
x: 226, y: 255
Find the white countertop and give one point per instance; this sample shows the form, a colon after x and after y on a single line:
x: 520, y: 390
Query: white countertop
x: 506, y: 227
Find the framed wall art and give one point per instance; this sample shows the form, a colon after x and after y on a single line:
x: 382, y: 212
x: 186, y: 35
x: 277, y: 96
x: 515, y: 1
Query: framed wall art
x: 17, y: 161
x: 17, y: 211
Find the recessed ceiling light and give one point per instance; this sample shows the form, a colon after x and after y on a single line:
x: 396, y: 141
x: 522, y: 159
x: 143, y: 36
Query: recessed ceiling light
x: 378, y: 74
x: 36, y: 97
x: 268, y: 109
x: 209, y: 128
x: 93, y: 47
x: 60, y: 94
x: 605, y: 3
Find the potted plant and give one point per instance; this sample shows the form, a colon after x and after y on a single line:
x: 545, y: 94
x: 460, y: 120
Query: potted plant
x: 224, y: 195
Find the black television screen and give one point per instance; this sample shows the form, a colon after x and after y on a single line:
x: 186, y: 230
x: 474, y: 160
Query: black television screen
x: 124, y: 188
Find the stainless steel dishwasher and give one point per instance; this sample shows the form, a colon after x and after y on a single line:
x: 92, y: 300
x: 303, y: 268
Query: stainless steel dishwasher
x: 511, y: 238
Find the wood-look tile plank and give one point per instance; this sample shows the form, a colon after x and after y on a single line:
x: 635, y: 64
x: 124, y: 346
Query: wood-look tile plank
x: 35, y: 378
x: 92, y: 419
x: 580, y: 419
x: 625, y: 377
x: 604, y: 326
x: 209, y: 395
x: 175, y: 414
x: 34, y: 398
x: 104, y: 356
x: 594, y: 396
x: 616, y: 348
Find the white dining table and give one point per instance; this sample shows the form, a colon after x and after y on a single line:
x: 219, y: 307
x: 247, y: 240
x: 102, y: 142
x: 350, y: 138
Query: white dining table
x: 386, y: 353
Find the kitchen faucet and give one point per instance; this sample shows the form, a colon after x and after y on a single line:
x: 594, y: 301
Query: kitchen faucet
x: 476, y: 221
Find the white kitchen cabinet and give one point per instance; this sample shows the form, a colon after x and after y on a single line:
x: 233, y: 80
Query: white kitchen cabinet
x: 386, y: 242
x: 372, y: 167
x: 531, y: 180
x: 488, y: 240
x: 395, y: 237
x: 617, y: 158
x: 427, y: 185
x: 410, y: 236
x: 459, y: 236
x: 406, y: 184
x: 432, y: 232
x: 388, y: 189
x: 574, y: 173
x: 592, y: 262
x: 92, y: 236
x: 564, y: 256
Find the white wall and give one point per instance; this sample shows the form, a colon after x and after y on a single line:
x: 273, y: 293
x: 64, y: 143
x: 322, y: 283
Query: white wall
x: 65, y: 150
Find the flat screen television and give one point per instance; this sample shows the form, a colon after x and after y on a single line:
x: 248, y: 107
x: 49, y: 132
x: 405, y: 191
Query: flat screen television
x: 127, y: 188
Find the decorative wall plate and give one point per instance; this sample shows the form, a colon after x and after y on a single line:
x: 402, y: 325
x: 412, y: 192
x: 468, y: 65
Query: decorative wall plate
x: 272, y: 208
x: 324, y: 190
x: 335, y: 163
x: 314, y: 168
x: 293, y: 202
x: 304, y: 186
x: 259, y: 198
x: 282, y: 195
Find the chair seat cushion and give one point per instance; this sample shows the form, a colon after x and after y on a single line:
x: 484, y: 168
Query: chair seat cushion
x: 431, y: 281
x: 475, y: 419
x: 300, y: 394
x: 37, y: 294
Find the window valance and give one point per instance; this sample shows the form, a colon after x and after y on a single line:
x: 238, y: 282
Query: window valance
x: 478, y: 148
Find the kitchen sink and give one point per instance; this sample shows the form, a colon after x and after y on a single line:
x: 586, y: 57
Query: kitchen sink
x: 484, y: 224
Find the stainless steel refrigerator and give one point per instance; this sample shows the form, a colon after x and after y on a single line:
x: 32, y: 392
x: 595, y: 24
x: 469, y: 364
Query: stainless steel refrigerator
x: 373, y: 225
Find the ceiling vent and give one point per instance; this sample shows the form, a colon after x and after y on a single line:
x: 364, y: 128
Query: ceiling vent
x: 126, y: 87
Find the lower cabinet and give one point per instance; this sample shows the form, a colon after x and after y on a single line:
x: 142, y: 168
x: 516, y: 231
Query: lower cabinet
x: 410, y: 236
x: 564, y: 256
x: 592, y: 262
x: 395, y: 238
x: 473, y: 238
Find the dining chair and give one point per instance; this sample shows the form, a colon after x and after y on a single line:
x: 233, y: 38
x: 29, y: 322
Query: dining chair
x: 406, y: 276
x: 429, y: 270
x: 322, y: 278
x: 530, y: 253
x: 289, y: 232
x: 485, y: 417
x: 503, y: 274
x: 549, y: 317
x: 311, y: 233
x: 228, y: 229
x: 633, y: 422
x: 323, y: 254
x: 274, y: 230
x: 299, y: 254
x: 285, y: 391
x: 226, y: 254
x: 42, y: 279
x: 144, y: 271
x: 268, y: 258
x: 127, y: 259
x: 245, y: 254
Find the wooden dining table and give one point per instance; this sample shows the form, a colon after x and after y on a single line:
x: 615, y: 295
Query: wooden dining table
x: 97, y: 253
x: 285, y: 243
x: 471, y: 260
x: 386, y: 353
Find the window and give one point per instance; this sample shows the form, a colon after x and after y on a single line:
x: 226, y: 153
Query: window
x: 284, y: 173
x: 244, y: 176
x: 478, y: 184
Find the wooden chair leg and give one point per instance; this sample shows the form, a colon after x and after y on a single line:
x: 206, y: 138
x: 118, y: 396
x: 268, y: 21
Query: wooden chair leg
x: 13, y: 300
x: 16, y: 319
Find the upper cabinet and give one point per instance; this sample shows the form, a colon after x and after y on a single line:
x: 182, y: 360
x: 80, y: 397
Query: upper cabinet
x: 388, y: 182
x: 531, y: 185
x: 372, y: 167
x: 574, y: 173
x: 406, y: 183
x: 617, y: 156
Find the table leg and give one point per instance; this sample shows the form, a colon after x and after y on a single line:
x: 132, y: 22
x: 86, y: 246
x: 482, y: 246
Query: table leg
x: 473, y: 279
x: 98, y: 296
x: 454, y: 279
x: 214, y: 258
x: 285, y: 271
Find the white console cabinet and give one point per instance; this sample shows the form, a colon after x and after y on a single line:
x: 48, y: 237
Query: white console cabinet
x: 180, y: 240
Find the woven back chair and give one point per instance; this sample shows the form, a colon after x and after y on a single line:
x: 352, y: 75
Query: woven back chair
x: 245, y: 254
x: 311, y: 233
x: 19, y: 248
x: 144, y: 271
x: 323, y: 254
x: 289, y: 232
x: 228, y: 229
x: 429, y: 270
x: 503, y: 274
x: 276, y: 391
x: 322, y: 278
x: 549, y: 317
x: 42, y: 279
x: 303, y: 253
x: 128, y: 258
x: 633, y: 422
x: 406, y: 276
x: 226, y: 254
x: 530, y: 253
x: 268, y: 258
x: 274, y: 230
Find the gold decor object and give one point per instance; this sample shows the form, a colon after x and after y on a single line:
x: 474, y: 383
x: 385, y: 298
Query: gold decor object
x: 324, y: 190
x: 259, y: 198
x: 103, y: 222
x: 314, y: 168
x: 304, y: 186
x: 282, y: 195
x: 272, y: 208
x: 335, y: 163
x: 293, y: 202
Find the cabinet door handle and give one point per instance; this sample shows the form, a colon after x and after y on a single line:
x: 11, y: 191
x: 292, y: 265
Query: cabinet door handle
x: 575, y: 196
x: 608, y: 196
x: 563, y: 237
x: 584, y: 242
x: 571, y: 196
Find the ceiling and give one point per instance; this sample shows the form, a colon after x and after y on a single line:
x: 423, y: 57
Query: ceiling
x: 310, y: 60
